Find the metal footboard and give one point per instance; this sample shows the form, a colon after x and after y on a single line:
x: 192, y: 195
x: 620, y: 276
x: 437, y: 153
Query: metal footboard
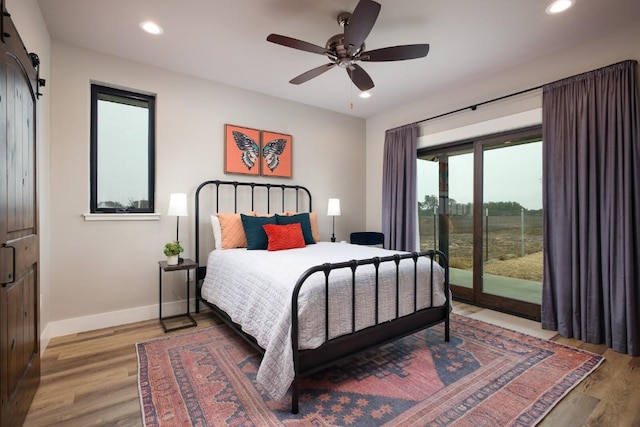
x: 307, y: 362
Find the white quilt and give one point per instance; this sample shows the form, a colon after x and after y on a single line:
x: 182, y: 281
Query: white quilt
x: 254, y: 288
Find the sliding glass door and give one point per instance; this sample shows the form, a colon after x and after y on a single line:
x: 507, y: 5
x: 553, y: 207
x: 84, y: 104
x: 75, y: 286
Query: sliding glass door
x: 446, y: 211
x: 480, y: 202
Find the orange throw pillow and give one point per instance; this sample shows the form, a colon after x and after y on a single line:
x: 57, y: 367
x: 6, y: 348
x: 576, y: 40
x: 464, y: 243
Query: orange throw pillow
x: 232, y: 231
x: 313, y: 218
x: 287, y: 236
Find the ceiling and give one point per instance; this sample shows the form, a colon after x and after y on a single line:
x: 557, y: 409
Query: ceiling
x: 225, y: 41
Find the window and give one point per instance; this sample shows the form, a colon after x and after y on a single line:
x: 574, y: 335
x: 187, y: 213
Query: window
x: 122, y: 151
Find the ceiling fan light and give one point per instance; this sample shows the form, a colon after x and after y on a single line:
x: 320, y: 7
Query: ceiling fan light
x: 559, y: 6
x: 346, y: 49
x: 365, y: 94
x: 151, y: 28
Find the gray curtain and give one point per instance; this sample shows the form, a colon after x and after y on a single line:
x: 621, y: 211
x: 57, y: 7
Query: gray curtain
x: 591, y: 180
x: 399, y: 200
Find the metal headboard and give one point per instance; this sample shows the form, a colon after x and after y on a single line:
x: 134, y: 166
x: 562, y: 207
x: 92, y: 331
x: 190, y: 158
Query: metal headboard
x: 253, y: 186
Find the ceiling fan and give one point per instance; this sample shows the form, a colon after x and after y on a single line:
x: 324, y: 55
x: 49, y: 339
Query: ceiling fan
x: 344, y: 50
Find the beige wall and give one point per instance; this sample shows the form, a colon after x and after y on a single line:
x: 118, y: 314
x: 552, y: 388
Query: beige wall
x: 100, y: 267
x: 28, y: 20
x: 588, y: 56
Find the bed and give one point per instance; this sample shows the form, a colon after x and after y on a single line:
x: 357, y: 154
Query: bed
x: 307, y: 308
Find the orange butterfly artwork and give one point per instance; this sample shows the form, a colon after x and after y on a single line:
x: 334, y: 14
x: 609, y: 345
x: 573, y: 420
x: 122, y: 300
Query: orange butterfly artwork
x: 276, y: 154
x: 242, y: 152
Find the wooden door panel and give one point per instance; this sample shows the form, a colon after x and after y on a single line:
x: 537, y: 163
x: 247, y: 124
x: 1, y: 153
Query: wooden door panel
x: 20, y: 147
x: 22, y: 340
x: 20, y: 346
x: 15, y: 336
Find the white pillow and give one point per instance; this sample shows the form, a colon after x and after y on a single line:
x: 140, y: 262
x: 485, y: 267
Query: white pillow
x: 217, y: 232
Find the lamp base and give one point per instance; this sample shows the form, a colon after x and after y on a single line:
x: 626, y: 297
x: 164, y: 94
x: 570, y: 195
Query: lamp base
x: 333, y: 239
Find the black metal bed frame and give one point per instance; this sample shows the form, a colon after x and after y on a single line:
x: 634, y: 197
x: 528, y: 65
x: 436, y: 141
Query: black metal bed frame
x: 334, y: 350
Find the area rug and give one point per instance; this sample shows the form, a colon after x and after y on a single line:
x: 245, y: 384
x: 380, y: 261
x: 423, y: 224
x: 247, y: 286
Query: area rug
x: 485, y: 376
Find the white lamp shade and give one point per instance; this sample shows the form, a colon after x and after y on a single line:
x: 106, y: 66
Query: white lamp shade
x: 333, y: 208
x: 178, y: 204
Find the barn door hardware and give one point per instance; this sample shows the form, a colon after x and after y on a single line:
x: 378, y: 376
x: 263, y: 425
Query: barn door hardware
x: 12, y: 276
x: 5, y: 14
x: 35, y: 61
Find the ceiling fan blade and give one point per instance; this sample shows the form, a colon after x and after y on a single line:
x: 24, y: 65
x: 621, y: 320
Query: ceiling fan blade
x: 296, y: 44
x: 396, y: 53
x: 315, y: 72
x: 362, y: 20
x: 360, y: 78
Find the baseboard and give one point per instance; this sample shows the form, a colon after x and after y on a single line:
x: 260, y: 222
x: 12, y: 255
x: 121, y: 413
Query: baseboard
x: 45, y: 337
x: 106, y: 320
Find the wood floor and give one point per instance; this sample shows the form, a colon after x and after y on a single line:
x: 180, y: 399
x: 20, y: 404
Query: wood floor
x: 90, y: 379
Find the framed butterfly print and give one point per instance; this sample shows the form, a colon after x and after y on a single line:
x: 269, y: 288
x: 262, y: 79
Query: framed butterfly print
x: 275, y: 150
x: 241, y: 150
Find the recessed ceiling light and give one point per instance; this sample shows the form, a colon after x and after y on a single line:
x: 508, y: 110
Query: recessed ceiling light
x: 365, y: 94
x: 559, y: 6
x: 151, y: 28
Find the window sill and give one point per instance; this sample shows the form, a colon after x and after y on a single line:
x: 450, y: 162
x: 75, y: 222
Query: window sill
x: 122, y: 217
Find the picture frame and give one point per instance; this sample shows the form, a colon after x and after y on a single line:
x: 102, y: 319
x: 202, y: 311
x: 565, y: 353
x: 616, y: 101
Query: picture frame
x: 241, y: 150
x: 276, y: 154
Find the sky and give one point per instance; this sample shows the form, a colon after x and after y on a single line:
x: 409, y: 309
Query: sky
x: 511, y: 174
x: 123, y: 152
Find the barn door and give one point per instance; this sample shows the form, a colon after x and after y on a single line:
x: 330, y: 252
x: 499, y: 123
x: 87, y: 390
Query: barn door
x: 19, y: 293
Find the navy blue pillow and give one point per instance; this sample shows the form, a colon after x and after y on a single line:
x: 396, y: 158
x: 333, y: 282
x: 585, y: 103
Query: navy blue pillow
x: 256, y: 236
x: 305, y: 223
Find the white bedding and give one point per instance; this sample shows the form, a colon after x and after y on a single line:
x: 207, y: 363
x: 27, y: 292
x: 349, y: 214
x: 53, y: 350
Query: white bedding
x: 254, y: 288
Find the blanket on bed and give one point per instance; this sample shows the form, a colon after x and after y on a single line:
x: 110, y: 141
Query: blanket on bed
x: 254, y: 288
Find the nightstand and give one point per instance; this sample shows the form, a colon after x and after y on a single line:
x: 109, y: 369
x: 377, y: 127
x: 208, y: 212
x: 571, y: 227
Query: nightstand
x: 186, y: 264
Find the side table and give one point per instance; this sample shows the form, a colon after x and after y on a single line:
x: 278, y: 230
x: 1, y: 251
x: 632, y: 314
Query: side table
x: 188, y: 265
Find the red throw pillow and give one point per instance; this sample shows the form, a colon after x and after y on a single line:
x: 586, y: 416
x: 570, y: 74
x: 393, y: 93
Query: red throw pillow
x: 287, y: 236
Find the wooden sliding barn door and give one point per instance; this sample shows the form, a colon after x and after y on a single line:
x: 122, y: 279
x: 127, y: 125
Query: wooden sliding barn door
x: 19, y: 290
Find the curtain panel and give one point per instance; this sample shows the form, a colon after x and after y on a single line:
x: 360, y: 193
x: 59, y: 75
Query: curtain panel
x: 591, y: 181
x: 399, y: 199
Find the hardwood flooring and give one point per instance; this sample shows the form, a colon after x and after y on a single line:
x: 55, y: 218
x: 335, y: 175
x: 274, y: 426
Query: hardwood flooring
x: 90, y: 379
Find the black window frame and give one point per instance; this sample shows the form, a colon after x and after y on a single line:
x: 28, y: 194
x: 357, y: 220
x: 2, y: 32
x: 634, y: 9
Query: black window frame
x: 96, y: 91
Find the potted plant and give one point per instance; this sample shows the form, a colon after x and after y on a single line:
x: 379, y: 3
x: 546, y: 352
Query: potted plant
x: 173, y: 250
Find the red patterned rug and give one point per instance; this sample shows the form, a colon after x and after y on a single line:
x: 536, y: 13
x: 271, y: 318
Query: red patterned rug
x: 485, y: 376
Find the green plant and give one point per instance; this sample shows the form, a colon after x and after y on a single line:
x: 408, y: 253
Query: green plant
x: 173, y: 248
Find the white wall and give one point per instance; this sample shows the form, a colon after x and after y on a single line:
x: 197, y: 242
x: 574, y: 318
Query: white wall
x: 30, y: 24
x: 95, y: 274
x: 106, y: 272
x: 594, y: 54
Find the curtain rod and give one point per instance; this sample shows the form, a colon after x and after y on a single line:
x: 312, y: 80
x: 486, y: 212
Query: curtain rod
x: 473, y: 107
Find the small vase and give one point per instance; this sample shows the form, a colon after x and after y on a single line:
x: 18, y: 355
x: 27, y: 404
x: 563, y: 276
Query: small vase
x: 172, y: 259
